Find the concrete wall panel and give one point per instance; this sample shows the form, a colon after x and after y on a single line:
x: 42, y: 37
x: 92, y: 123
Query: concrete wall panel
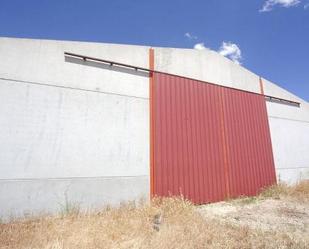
x: 274, y: 90
x: 20, y: 198
x: 205, y: 65
x: 285, y: 111
x: 290, y: 141
x: 43, y: 61
x: 292, y: 175
x: 56, y: 132
x: 71, y: 130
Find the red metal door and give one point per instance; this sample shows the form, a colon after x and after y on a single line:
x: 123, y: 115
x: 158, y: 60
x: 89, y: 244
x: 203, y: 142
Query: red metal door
x: 210, y: 142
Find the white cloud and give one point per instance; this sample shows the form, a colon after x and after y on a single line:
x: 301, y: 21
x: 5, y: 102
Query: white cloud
x: 190, y: 36
x: 269, y: 4
x: 199, y: 46
x: 227, y: 49
x: 231, y: 50
x: 306, y: 6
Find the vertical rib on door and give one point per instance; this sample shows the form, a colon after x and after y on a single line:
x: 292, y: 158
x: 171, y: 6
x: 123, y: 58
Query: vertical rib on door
x: 250, y: 156
x: 210, y: 142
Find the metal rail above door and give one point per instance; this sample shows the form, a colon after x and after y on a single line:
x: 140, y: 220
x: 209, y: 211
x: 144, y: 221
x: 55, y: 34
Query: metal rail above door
x: 137, y: 68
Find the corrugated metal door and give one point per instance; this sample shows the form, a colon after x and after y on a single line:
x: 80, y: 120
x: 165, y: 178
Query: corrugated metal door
x: 210, y: 142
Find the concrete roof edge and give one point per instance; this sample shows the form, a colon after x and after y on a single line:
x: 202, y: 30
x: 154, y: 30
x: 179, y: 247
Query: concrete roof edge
x: 145, y: 46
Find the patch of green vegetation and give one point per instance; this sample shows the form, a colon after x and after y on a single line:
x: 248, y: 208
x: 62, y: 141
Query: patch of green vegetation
x: 247, y: 200
x: 68, y: 208
x: 243, y: 200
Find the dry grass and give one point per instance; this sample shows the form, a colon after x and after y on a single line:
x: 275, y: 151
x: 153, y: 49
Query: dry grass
x: 299, y: 191
x: 164, y: 223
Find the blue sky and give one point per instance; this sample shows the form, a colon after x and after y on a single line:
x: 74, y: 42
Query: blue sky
x: 269, y: 37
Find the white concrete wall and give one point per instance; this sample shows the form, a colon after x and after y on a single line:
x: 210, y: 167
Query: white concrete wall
x: 71, y: 132
x: 77, y: 133
x: 43, y: 61
x: 205, y: 65
x: 55, y: 132
x: 289, y: 128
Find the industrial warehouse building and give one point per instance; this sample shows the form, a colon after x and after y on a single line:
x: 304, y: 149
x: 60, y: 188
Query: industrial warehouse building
x: 90, y: 124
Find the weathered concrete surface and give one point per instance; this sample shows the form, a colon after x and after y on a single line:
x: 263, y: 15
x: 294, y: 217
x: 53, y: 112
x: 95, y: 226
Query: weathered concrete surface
x: 289, y: 128
x: 71, y: 128
x: 43, y: 61
x: 57, y: 132
x: 205, y: 65
x: 65, y: 122
x: 29, y: 197
x: 290, y: 139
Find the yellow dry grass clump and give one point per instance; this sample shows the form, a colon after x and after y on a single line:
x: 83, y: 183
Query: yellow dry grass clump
x: 163, y: 223
x: 298, y: 191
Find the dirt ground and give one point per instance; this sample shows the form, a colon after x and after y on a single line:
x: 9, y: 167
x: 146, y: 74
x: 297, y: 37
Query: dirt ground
x: 280, y: 215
